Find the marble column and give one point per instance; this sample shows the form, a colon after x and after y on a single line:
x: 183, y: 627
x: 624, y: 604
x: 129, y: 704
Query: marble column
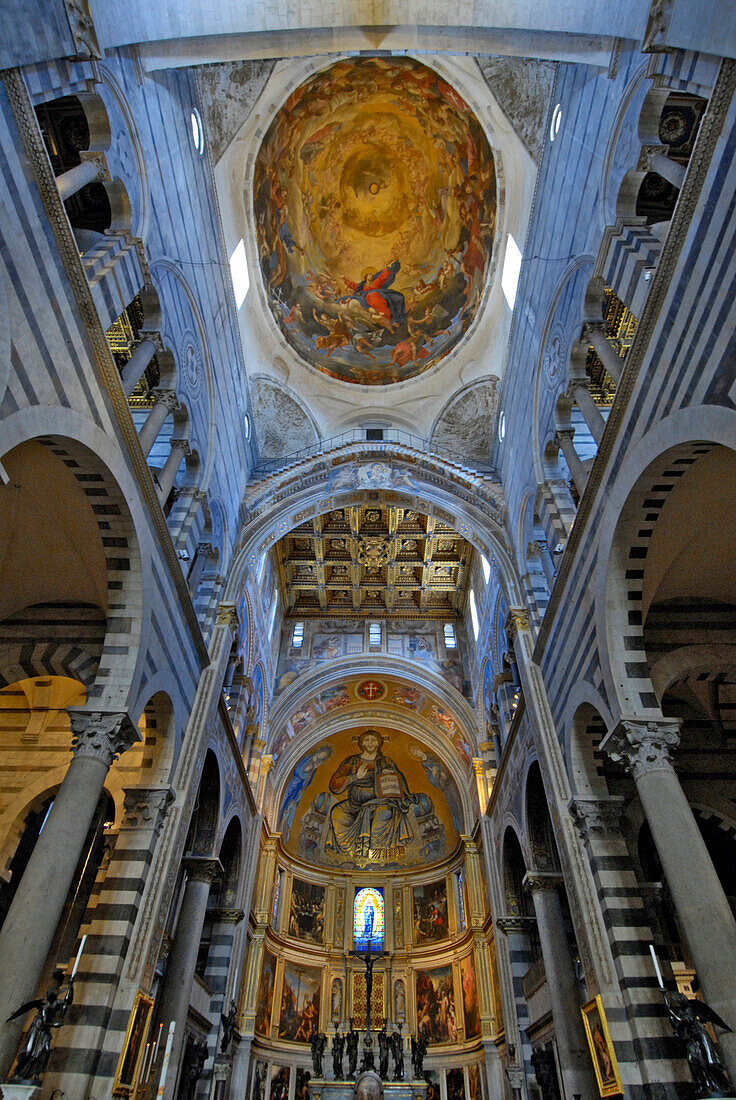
x: 176, y: 991
x: 572, y: 1047
x: 548, y: 567
x: 29, y: 928
x: 574, y: 462
x: 76, y: 178
x: 179, y: 448
x: 654, y: 158
x: 604, y: 348
x: 138, y: 362
x: 592, y: 415
x: 643, y: 747
x: 204, y: 551
x: 164, y: 402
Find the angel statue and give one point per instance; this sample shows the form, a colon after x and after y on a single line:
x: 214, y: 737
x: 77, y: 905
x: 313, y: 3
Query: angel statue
x: 50, y: 1013
x: 688, y: 1021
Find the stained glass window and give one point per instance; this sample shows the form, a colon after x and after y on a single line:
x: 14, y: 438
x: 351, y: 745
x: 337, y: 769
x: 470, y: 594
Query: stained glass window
x: 369, y: 919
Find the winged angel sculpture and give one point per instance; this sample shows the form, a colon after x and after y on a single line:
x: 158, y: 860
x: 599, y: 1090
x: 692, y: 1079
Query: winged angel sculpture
x: 36, y: 1050
x: 688, y: 1021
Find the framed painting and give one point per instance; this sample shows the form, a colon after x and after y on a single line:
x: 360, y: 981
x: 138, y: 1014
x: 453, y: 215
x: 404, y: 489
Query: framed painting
x: 601, y: 1048
x: 131, y: 1056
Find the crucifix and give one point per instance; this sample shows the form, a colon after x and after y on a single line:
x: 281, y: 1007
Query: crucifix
x: 370, y: 960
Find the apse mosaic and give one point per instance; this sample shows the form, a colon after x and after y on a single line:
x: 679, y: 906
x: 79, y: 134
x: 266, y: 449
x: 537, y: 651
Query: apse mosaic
x: 368, y: 919
x: 363, y: 800
x: 375, y: 211
x: 436, y: 1004
x: 401, y: 695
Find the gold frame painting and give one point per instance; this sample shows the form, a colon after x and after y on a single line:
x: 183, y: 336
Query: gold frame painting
x: 134, y: 1046
x: 602, y: 1053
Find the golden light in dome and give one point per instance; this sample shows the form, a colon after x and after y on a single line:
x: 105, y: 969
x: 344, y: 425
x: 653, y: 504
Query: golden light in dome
x: 375, y: 208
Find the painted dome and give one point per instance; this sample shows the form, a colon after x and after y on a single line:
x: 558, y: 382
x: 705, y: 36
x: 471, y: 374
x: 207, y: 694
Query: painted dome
x: 375, y: 209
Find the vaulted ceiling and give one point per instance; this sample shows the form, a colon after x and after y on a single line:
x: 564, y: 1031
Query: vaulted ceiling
x: 373, y: 560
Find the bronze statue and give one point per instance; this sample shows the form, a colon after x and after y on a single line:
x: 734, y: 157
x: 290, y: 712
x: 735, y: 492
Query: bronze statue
x: 544, y: 1070
x: 418, y: 1050
x: 34, y: 1056
x: 397, y: 1049
x: 383, y: 1049
x: 317, y: 1043
x: 351, y: 1043
x: 688, y: 1021
x: 338, y: 1045
x: 228, y: 1027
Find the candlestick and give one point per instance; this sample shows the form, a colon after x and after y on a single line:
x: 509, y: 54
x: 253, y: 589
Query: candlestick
x: 79, y: 954
x: 656, y: 966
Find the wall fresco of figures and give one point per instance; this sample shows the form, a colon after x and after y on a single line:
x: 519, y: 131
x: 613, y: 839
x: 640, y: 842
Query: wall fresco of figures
x: 300, y: 1000
x: 436, y: 1015
x: 430, y: 912
x: 349, y: 803
x: 307, y: 911
x: 375, y: 211
x: 265, y: 993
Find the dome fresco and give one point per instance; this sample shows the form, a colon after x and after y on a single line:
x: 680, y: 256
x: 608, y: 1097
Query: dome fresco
x: 375, y: 210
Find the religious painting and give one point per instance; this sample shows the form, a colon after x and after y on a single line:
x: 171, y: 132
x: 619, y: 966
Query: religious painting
x: 259, y: 1081
x: 370, y: 690
x: 279, y: 1083
x: 133, y: 1055
x: 333, y: 697
x: 601, y: 1048
x: 433, y: 1084
x: 475, y: 1086
x: 307, y: 911
x: 471, y: 1012
x: 361, y: 801
x: 455, y: 1084
x: 430, y: 912
x: 300, y: 997
x: 265, y: 993
x: 301, y: 1090
x: 375, y: 209
x: 436, y: 1004
x: 409, y: 697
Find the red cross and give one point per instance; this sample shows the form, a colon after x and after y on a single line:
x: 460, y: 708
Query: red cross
x: 371, y: 689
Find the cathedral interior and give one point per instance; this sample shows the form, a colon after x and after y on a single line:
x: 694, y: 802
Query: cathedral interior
x: 367, y: 581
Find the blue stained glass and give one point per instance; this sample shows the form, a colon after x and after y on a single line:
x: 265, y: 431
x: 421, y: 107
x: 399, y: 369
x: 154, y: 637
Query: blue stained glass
x: 369, y: 919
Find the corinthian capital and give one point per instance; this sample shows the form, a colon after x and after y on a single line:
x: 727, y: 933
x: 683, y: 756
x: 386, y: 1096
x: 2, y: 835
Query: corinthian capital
x: 102, y: 735
x: 517, y: 620
x: 596, y: 817
x: 643, y: 745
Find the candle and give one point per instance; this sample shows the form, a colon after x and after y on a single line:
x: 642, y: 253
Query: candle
x: 235, y: 982
x: 79, y: 954
x: 167, y: 1055
x: 656, y: 966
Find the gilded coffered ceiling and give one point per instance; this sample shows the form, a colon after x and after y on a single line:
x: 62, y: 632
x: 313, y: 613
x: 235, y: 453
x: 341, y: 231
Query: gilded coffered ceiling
x: 373, y: 561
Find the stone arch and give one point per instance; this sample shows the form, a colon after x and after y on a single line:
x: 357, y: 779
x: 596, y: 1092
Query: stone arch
x: 650, y: 473
x: 150, y: 762
x: 204, y: 823
x: 466, y: 423
x: 109, y: 513
x: 514, y: 867
x: 624, y: 137
x: 142, y: 208
x: 231, y: 858
x: 535, y: 814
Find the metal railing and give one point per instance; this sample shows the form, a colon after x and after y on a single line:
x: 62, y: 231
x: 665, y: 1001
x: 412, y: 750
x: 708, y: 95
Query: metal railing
x: 388, y: 436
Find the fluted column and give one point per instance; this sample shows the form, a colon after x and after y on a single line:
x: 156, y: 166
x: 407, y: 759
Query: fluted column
x: 653, y: 158
x: 604, y: 348
x: 138, y: 362
x: 173, y: 1004
x: 30, y: 925
x: 574, y: 462
x: 592, y: 415
x: 91, y: 168
x: 179, y: 448
x: 164, y: 402
x: 643, y: 747
x: 572, y: 1047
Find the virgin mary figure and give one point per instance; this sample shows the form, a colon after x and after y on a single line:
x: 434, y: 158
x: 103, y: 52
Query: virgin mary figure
x: 374, y: 815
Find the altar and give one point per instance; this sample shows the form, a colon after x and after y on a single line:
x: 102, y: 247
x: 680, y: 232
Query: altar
x: 367, y: 1086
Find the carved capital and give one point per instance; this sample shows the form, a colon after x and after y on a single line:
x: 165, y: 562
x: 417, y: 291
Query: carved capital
x: 202, y: 868
x: 205, y: 549
x: 647, y: 155
x: 82, y: 28
x: 146, y: 807
x: 226, y: 916
x: 98, y: 159
x: 517, y: 620
x: 596, y: 817
x: 165, y: 397
x: 101, y: 735
x: 541, y: 880
x: 642, y: 745
x: 181, y: 445
x: 511, y: 926
x: 227, y: 616
x: 479, y: 767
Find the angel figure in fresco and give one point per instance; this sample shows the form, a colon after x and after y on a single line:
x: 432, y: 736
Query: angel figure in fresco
x: 374, y: 815
x: 301, y: 778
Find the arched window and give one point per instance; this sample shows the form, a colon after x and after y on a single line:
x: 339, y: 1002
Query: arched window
x: 369, y: 919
